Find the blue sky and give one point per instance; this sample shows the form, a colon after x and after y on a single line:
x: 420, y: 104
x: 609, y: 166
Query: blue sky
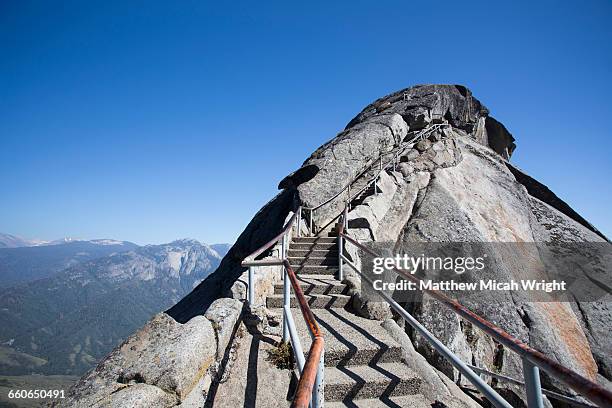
x: 150, y: 121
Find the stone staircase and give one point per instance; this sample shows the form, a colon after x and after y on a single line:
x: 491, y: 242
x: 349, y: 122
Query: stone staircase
x: 371, y: 190
x: 363, y: 363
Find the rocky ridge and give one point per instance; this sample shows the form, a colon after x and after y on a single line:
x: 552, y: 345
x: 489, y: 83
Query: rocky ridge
x: 454, y: 186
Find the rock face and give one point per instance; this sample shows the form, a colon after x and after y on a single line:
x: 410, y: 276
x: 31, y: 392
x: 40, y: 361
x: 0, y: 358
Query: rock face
x: 457, y: 186
x: 454, y: 185
x: 495, y: 208
x: 159, y: 365
x: 383, y: 125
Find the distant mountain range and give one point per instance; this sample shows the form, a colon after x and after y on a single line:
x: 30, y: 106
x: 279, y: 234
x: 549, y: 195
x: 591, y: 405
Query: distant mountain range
x: 71, y: 303
x: 13, y: 241
x: 28, y: 263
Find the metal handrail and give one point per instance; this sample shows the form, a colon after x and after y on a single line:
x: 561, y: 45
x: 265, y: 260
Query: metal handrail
x: 396, y: 152
x: 307, y: 386
x: 248, y: 261
x: 532, y: 359
x: 549, y: 393
x: 310, y: 385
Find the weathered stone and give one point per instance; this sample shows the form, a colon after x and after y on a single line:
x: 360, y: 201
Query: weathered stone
x: 420, y: 179
x: 418, y: 118
x: 256, y: 318
x: 406, y: 169
x: 254, y: 380
x: 398, y: 126
x: 552, y: 225
x: 165, y: 354
x: 197, y: 397
x: 139, y: 396
x: 443, y: 158
x: 454, y: 104
x: 436, y: 386
x: 450, y: 212
x: 425, y: 164
x: 409, y: 155
x: 438, y: 146
x: 371, y: 309
x: 498, y: 138
x: 422, y: 145
x: 435, y: 136
x: 341, y: 159
x: 224, y: 314
x: 362, y: 217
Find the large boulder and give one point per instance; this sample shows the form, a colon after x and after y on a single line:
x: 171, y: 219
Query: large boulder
x: 224, y: 315
x: 157, y: 366
x: 139, y: 396
x: 340, y: 160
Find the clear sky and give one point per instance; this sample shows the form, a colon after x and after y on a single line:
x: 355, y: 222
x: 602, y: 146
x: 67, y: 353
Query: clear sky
x: 150, y: 121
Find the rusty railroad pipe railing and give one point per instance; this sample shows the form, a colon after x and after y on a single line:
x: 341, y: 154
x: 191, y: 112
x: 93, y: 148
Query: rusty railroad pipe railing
x: 581, y: 385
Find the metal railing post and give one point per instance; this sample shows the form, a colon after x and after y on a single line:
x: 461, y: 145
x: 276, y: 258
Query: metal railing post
x: 318, y: 391
x: 346, y: 209
x: 299, y: 222
x: 251, y: 286
x: 375, y: 185
x: 286, y: 288
x: 286, y: 302
x: 310, y: 227
x: 284, y: 247
x: 341, y: 244
x: 533, y: 387
x: 298, y: 353
x: 340, y: 271
x: 348, y: 197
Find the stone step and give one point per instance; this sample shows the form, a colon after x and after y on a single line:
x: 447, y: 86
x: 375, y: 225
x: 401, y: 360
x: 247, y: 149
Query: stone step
x: 370, y: 382
x: 312, y: 260
x: 315, y: 269
x: 311, y: 240
x: 361, y: 198
x: 315, y: 301
x: 405, y: 401
x: 349, y: 339
x: 317, y: 284
x: 310, y: 252
x: 324, y: 246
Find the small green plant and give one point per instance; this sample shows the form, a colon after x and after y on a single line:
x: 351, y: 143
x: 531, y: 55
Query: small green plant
x: 282, y: 356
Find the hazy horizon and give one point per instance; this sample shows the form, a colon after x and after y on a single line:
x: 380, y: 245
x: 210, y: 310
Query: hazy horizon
x: 59, y: 239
